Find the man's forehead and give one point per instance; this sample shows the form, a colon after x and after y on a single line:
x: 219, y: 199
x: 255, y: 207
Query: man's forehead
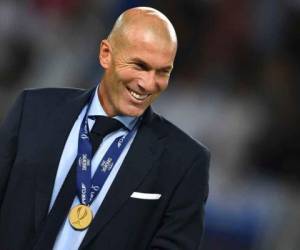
x: 150, y: 48
x: 148, y: 39
x: 151, y: 29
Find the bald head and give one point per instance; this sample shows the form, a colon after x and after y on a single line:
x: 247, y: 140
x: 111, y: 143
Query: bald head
x: 145, y: 22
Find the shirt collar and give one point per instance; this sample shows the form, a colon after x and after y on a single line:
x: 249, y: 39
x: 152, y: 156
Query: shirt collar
x: 96, y: 109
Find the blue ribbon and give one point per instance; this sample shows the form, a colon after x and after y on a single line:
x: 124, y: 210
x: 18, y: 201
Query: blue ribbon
x: 87, y: 187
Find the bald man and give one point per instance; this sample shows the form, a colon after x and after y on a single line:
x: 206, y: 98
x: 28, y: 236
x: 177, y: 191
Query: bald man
x: 99, y: 169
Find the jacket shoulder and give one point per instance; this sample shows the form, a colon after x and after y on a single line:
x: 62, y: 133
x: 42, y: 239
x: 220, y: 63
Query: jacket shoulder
x: 180, y: 141
x: 53, y: 96
x: 52, y: 92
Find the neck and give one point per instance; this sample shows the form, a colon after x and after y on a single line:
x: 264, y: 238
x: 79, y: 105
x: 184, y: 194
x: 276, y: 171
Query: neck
x: 102, y: 96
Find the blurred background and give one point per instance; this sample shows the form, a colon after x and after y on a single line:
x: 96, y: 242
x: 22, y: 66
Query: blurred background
x: 235, y: 87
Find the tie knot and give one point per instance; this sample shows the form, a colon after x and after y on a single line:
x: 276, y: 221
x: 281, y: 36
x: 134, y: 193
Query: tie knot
x: 105, y: 125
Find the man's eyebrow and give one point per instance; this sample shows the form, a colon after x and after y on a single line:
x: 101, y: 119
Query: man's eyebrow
x: 147, y: 66
x: 141, y: 62
x: 167, y: 68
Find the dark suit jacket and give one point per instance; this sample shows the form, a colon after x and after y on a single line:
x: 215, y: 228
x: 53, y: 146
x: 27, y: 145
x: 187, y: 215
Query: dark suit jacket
x: 162, y: 159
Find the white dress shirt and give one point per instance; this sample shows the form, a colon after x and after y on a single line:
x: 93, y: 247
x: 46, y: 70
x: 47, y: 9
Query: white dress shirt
x: 68, y: 238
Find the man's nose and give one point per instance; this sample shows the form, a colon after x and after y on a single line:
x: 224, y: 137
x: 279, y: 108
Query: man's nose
x: 149, y: 81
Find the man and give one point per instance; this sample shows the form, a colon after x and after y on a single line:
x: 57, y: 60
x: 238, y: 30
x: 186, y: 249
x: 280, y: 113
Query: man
x: 149, y: 180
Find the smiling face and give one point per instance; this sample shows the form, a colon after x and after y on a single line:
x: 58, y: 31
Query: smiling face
x: 137, y: 70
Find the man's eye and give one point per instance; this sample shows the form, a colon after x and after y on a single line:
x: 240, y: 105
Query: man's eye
x: 140, y: 66
x: 165, y: 72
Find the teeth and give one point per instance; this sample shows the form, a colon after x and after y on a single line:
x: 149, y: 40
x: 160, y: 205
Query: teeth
x: 138, y: 96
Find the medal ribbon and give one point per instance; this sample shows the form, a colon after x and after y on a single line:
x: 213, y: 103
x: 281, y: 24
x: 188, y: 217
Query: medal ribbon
x: 87, y: 187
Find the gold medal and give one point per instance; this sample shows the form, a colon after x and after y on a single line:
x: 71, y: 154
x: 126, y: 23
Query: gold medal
x: 80, y: 217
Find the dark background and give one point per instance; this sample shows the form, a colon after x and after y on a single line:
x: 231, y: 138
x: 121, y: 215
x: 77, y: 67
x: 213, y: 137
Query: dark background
x: 235, y: 87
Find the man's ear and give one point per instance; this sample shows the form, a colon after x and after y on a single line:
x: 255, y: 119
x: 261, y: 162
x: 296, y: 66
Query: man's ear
x: 105, y: 54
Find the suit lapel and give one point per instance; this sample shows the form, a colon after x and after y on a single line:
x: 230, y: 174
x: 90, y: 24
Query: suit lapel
x: 59, y: 124
x: 145, y: 149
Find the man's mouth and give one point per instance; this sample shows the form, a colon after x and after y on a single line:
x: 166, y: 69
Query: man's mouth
x: 137, y: 96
